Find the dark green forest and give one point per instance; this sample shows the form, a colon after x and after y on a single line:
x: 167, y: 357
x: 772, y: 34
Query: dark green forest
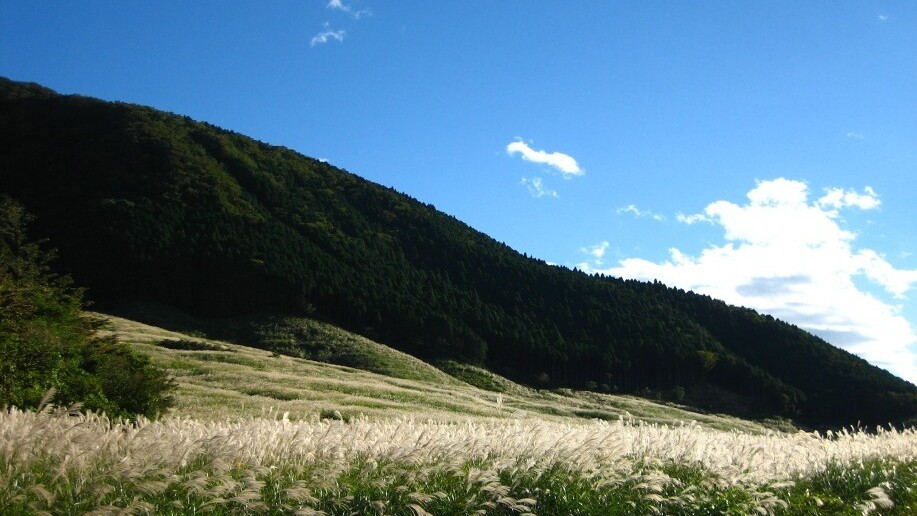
x: 154, y: 207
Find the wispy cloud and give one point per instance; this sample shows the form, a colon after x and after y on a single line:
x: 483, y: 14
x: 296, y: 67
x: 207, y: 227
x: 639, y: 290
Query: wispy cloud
x: 537, y: 188
x: 788, y: 255
x: 882, y: 17
x: 340, y: 6
x: 691, y: 219
x: 558, y: 160
x: 596, y: 251
x: 637, y: 212
x: 853, y: 135
x: 327, y: 35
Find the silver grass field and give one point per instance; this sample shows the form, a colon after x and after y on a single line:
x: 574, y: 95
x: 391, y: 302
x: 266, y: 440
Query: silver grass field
x: 73, y: 463
x: 433, y: 447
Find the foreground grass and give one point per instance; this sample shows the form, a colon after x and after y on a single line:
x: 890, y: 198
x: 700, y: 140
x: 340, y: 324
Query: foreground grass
x: 72, y: 464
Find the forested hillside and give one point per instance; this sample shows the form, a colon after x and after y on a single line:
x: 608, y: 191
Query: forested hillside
x: 149, y: 206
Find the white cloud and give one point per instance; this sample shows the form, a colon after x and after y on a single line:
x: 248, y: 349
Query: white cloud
x: 837, y: 198
x: 327, y: 35
x: 882, y: 17
x: 637, y: 212
x: 340, y: 6
x: 537, y: 189
x: 596, y: 251
x: 562, y: 162
x: 788, y: 256
x: 691, y: 219
x: 855, y: 135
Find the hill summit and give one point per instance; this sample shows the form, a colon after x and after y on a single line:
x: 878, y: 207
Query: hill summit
x: 146, y: 206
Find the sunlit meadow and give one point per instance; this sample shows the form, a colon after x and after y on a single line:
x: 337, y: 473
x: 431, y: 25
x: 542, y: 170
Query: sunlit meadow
x: 52, y: 462
x: 257, y: 433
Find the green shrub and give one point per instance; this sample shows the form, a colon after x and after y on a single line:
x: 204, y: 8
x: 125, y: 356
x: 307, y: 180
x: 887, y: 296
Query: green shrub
x: 47, y: 342
x: 334, y: 415
x: 473, y: 375
x: 190, y: 345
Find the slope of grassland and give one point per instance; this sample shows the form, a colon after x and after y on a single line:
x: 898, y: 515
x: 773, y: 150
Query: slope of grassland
x: 299, y: 337
x: 219, y: 380
x: 257, y: 432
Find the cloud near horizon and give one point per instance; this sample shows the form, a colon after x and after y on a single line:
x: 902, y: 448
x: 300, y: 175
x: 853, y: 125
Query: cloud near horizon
x: 564, y: 163
x: 596, y: 251
x: 790, y: 257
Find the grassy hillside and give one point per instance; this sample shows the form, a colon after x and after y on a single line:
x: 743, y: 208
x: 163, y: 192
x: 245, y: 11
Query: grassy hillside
x: 147, y: 206
x: 300, y: 337
x: 218, y: 380
x: 257, y: 433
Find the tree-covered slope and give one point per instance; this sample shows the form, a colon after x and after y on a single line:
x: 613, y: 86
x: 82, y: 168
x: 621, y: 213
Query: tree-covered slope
x: 150, y: 206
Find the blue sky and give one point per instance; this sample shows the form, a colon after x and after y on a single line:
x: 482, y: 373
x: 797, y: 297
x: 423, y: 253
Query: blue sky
x: 761, y: 152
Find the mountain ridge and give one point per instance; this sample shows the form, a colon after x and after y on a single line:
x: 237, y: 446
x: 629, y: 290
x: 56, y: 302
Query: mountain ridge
x: 149, y: 206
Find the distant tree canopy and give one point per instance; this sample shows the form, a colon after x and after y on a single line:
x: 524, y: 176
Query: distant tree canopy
x: 151, y: 206
x: 47, y: 343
